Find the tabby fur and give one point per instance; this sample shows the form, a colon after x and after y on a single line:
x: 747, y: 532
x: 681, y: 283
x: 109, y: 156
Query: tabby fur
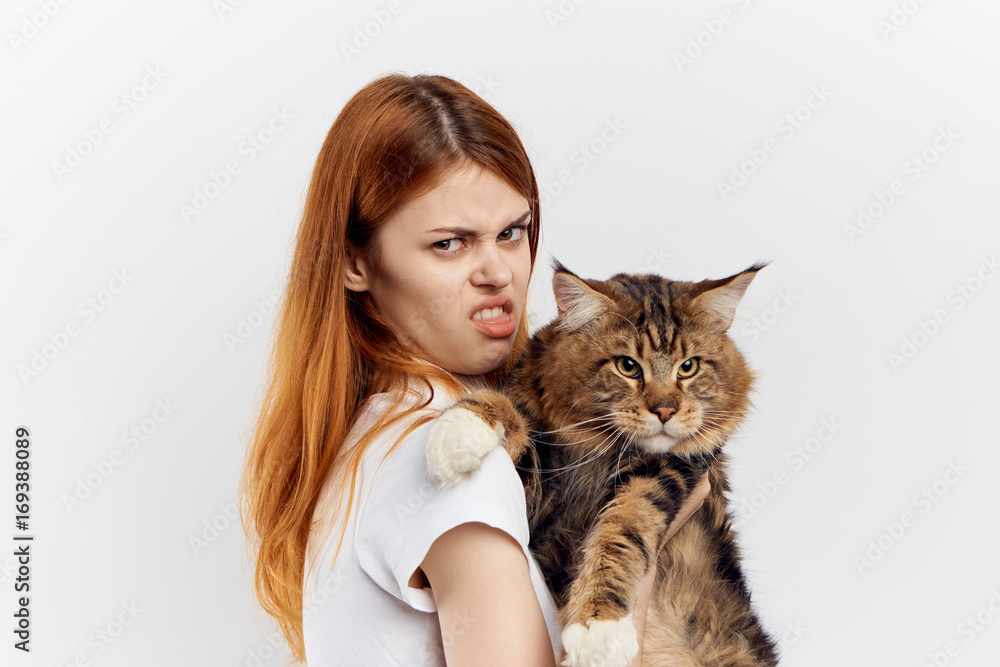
x: 607, y: 460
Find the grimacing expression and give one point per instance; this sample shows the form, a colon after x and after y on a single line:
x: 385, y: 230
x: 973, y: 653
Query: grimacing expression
x: 455, y: 267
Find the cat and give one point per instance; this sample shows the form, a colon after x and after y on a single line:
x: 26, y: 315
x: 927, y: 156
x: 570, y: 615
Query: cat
x: 611, y: 416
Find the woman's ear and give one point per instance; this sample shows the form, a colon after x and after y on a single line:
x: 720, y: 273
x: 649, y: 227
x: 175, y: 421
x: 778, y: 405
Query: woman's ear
x: 355, y: 272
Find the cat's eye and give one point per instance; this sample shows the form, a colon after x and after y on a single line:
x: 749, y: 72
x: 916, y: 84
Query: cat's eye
x: 628, y: 367
x: 688, y: 368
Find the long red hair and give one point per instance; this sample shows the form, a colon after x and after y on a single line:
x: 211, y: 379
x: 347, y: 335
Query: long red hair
x: 394, y: 140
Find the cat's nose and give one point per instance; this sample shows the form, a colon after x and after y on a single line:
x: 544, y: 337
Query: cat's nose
x: 665, y: 412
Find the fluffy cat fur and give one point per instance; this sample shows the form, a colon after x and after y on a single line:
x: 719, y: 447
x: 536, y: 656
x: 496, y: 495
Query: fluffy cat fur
x: 612, y: 416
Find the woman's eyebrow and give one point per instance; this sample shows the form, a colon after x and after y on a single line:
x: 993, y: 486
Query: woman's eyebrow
x: 462, y: 231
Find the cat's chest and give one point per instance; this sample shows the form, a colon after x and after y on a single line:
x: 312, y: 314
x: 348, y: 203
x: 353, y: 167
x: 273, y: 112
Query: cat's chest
x: 579, y: 485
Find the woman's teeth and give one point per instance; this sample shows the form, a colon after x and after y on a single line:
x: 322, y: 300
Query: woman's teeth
x: 487, y: 313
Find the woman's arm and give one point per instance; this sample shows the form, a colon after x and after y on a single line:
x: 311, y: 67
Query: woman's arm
x: 487, y: 606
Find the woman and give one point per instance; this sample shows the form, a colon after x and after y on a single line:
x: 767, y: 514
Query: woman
x: 407, y: 289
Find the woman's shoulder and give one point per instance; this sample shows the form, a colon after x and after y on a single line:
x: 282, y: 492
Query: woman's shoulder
x: 401, y: 485
x: 404, y: 510
x: 419, y: 395
x: 397, y: 410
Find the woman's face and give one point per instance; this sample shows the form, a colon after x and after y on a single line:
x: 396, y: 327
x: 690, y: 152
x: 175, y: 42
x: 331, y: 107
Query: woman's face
x: 445, y: 256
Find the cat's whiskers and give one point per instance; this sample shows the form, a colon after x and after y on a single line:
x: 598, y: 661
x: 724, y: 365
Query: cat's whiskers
x: 735, y: 416
x: 573, y: 405
x: 719, y: 423
x: 598, y: 452
x: 630, y: 323
x: 714, y: 437
x: 618, y: 463
x: 714, y: 410
x: 585, y: 421
x: 602, y: 428
x: 595, y: 433
x: 629, y: 440
x: 726, y: 416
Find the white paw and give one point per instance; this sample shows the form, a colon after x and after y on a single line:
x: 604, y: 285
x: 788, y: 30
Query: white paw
x: 600, y: 643
x: 457, y: 442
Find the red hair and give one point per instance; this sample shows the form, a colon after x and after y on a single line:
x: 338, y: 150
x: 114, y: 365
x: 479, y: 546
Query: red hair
x: 394, y: 140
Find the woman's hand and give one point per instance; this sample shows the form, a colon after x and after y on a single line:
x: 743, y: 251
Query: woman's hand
x: 690, y: 506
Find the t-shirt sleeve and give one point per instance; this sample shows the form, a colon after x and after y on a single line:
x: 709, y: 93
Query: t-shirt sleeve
x: 406, y: 511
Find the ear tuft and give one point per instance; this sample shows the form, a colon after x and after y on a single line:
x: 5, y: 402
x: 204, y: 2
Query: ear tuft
x: 719, y: 302
x: 578, y: 303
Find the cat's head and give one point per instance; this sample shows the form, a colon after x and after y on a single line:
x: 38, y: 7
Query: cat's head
x: 651, y: 355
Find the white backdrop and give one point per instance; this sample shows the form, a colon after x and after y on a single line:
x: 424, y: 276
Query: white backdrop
x: 155, y: 163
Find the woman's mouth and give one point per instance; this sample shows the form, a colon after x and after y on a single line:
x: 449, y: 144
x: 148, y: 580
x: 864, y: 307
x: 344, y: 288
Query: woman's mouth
x: 494, y: 322
x: 488, y: 313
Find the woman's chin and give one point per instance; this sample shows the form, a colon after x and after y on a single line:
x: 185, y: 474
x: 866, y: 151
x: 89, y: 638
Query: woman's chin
x: 482, y: 364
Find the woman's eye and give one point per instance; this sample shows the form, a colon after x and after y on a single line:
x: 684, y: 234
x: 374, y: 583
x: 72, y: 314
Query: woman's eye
x: 511, y: 234
x: 688, y: 368
x: 628, y: 367
x: 446, y: 245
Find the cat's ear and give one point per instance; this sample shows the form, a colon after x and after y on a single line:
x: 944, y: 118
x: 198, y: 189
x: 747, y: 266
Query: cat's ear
x: 578, y: 303
x: 718, y: 302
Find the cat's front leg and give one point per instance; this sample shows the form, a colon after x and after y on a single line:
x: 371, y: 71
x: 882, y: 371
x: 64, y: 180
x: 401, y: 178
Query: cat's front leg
x: 599, y: 629
x: 469, y: 430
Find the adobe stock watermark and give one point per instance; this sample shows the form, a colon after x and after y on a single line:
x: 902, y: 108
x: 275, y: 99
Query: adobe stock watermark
x: 485, y: 87
x: 247, y: 325
x: 212, y: 529
x: 224, y: 8
x: 914, y: 168
x: 582, y: 158
x: 655, y: 262
x: 105, y: 636
x: 364, y: 34
x: 248, y: 149
x: 32, y: 25
x: 415, y: 499
x: 790, y: 634
x: 712, y: 29
x: 796, y: 458
x: 274, y: 643
x: 967, y: 629
x: 562, y: 12
x: 957, y: 298
x: 88, y: 309
x: 759, y: 324
x: 121, y: 108
x: 459, y: 626
x: 433, y: 654
x: 420, y: 321
x: 900, y: 15
x: 131, y: 440
x: 786, y: 127
x: 922, y: 501
x: 8, y: 568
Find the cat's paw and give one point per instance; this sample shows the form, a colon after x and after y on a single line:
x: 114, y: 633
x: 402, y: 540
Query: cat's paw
x: 600, y: 643
x: 457, y: 442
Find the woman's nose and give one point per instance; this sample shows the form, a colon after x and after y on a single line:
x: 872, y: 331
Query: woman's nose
x: 492, y: 269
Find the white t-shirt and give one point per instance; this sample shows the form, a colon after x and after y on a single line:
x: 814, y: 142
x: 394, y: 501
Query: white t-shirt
x: 364, y: 613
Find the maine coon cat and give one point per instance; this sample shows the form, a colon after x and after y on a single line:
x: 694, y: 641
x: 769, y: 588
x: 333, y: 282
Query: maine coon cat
x: 611, y: 417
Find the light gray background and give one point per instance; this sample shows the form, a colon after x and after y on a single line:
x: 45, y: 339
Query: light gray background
x: 848, y: 562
